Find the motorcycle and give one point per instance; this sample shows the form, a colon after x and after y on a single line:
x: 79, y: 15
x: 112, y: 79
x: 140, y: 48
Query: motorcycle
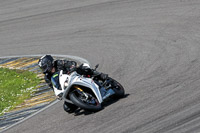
x: 81, y: 91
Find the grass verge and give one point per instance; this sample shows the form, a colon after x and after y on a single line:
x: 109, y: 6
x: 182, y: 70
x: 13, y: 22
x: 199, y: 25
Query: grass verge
x: 15, y: 87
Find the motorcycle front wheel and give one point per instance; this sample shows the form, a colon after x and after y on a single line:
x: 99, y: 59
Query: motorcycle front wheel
x: 79, y: 101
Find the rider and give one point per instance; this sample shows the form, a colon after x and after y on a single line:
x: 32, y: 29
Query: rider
x: 50, y: 67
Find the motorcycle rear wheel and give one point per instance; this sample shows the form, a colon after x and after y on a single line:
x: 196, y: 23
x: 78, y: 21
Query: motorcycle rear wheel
x: 119, y: 89
x: 74, y: 97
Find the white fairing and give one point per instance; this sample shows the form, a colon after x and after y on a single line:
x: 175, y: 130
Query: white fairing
x: 56, y: 91
x: 62, y: 79
x: 67, y: 81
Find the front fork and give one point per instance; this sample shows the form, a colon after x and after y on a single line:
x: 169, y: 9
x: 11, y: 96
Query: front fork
x: 88, y: 97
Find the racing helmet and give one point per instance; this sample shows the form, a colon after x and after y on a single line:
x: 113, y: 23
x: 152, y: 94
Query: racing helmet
x: 46, y: 63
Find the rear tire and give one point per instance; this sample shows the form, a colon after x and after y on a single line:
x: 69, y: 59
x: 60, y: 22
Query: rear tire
x: 119, y: 90
x: 78, y: 102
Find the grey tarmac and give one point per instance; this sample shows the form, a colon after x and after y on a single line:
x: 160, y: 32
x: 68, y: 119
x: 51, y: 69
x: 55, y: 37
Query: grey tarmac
x: 152, y: 47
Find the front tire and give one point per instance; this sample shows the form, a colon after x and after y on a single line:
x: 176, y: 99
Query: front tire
x: 74, y: 97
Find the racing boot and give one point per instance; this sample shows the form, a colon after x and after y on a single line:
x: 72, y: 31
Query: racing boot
x: 70, y: 108
x: 59, y: 96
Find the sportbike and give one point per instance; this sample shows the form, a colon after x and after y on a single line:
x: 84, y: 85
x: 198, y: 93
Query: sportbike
x: 88, y: 93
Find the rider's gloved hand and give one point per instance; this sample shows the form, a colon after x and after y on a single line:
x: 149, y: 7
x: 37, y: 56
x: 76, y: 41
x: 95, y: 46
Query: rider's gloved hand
x: 72, y: 69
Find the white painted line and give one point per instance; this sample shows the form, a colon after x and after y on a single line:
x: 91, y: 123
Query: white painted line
x: 82, y: 60
x: 26, y: 118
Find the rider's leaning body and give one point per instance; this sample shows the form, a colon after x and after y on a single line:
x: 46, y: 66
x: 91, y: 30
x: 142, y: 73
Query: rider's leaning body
x: 49, y: 67
x: 51, y: 70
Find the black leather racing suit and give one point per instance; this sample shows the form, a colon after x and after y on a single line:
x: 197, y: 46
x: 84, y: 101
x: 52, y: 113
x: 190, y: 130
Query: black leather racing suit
x: 59, y: 65
x: 67, y: 66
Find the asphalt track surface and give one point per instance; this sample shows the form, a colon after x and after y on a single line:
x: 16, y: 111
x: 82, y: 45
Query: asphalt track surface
x: 151, y: 46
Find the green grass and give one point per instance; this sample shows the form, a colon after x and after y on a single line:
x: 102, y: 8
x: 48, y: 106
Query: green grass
x: 15, y: 87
